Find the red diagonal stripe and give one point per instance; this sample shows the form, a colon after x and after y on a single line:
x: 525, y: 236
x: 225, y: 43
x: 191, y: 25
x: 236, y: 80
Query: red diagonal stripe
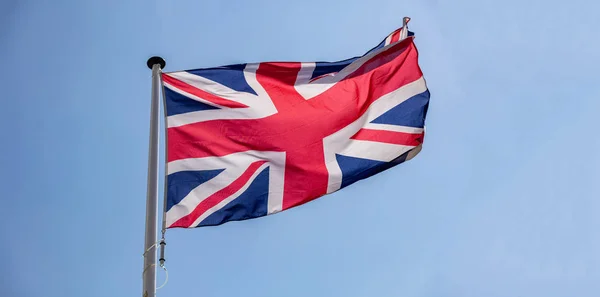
x: 395, y: 36
x: 200, y: 93
x: 392, y: 137
x: 321, y: 76
x: 217, y: 197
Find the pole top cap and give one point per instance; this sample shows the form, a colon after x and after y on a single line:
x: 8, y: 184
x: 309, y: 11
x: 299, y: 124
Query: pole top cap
x: 156, y: 60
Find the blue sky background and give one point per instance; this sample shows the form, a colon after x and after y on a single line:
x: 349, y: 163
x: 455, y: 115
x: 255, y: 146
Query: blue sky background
x: 502, y: 201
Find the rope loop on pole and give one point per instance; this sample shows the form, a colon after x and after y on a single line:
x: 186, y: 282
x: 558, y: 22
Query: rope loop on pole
x: 166, y: 277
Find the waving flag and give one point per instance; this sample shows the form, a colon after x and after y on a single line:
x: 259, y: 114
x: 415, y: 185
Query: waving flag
x: 250, y: 140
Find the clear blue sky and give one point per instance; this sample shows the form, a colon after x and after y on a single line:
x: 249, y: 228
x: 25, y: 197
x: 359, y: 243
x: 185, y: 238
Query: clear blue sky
x: 502, y: 201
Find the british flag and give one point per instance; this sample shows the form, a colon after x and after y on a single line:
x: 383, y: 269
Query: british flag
x: 250, y: 140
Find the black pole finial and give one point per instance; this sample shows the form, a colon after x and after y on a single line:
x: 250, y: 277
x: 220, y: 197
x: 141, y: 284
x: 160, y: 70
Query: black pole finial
x: 156, y: 60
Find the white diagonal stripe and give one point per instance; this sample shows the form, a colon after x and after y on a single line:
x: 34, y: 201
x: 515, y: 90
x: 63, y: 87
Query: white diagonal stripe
x: 310, y: 90
x: 340, y: 140
x: 394, y: 128
x: 259, y: 106
x: 235, y: 165
x: 379, y: 151
x: 229, y: 198
x: 213, y: 88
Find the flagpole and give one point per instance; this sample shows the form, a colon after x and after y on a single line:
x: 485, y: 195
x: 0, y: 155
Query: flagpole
x: 149, y: 272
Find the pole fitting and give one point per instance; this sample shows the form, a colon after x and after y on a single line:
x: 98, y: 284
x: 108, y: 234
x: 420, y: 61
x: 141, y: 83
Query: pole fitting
x: 162, y: 252
x: 156, y: 60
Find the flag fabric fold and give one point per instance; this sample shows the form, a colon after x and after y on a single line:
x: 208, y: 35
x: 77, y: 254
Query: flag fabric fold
x: 250, y: 140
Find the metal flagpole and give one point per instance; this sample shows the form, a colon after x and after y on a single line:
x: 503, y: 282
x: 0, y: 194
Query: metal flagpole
x: 149, y: 272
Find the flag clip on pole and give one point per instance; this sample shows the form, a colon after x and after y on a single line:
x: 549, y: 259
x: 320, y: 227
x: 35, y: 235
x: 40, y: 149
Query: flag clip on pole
x: 150, y: 244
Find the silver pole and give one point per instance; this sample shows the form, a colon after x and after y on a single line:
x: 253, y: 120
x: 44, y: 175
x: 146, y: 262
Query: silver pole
x: 149, y: 272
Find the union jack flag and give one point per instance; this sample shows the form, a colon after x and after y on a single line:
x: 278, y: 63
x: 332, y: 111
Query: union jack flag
x: 250, y: 140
